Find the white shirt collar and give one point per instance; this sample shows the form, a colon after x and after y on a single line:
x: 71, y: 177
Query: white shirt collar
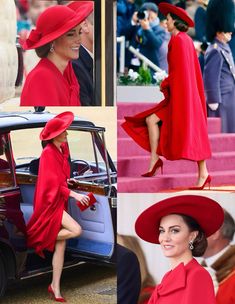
x: 211, y: 260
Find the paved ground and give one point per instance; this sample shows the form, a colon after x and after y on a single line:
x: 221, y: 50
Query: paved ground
x: 85, y: 284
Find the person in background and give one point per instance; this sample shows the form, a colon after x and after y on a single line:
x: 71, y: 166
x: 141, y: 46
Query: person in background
x: 147, y: 34
x: 200, y: 21
x: 147, y: 281
x: 83, y: 66
x: 128, y: 281
x: 220, y: 256
x: 219, y: 69
x: 180, y: 225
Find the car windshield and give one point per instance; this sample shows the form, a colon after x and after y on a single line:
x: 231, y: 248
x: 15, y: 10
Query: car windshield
x: 87, y: 152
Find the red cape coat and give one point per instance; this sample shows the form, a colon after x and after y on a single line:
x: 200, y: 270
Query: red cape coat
x: 189, y: 284
x: 45, y: 85
x: 183, y: 111
x: 50, y: 200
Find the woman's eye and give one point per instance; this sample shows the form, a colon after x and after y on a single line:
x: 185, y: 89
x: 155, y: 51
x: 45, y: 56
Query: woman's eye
x: 161, y: 231
x: 175, y: 230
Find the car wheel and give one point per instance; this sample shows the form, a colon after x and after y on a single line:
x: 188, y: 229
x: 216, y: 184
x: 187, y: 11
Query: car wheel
x: 3, y: 278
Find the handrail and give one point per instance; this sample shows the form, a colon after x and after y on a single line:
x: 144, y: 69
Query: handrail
x: 145, y: 60
x: 122, y: 42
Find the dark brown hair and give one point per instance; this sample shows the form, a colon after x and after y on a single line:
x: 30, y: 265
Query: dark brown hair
x: 43, y: 50
x: 180, y: 24
x: 200, y: 242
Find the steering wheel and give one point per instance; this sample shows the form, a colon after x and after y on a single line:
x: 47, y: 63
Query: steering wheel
x: 79, y: 167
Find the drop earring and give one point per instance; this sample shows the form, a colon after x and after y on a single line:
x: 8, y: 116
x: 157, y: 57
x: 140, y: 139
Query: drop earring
x: 52, y: 48
x: 191, y: 247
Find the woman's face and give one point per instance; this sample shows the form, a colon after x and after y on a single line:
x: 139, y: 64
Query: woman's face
x: 61, y: 138
x: 174, y: 236
x: 170, y: 23
x: 67, y: 46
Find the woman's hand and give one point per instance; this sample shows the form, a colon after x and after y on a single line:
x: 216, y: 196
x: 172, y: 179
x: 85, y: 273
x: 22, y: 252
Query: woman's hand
x: 83, y: 199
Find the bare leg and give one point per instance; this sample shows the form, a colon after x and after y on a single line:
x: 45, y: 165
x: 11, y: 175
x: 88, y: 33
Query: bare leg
x: 202, y: 172
x: 57, y: 264
x: 70, y: 229
x: 153, y: 130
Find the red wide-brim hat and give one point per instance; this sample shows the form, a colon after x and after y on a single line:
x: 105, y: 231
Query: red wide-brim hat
x: 57, y: 125
x: 207, y: 213
x: 53, y: 23
x: 78, y: 5
x: 166, y: 8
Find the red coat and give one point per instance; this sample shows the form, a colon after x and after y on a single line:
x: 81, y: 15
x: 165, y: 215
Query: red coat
x: 51, y: 197
x: 183, y: 112
x: 46, y: 86
x: 225, y: 293
x: 190, y: 284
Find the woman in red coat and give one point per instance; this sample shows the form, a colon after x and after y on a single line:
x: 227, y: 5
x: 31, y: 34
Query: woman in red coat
x: 56, y: 40
x: 177, y: 127
x: 180, y: 225
x: 50, y: 225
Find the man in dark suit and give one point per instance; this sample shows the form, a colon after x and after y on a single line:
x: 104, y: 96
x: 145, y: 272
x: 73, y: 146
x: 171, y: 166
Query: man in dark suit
x: 83, y: 66
x: 128, y: 276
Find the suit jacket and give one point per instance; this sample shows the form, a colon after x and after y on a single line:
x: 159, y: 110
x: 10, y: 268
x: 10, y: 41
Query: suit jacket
x: 185, y: 284
x: 83, y: 68
x: 128, y: 276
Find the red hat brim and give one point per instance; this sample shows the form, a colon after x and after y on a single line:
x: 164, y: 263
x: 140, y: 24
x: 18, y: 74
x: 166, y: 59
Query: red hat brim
x: 58, y: 13
x: 57, y: 125
x: 207, y: 212
x: 166, y: 8
x: 78, y: 5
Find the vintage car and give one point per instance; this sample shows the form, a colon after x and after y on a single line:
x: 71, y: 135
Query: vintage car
x: 91, y: 167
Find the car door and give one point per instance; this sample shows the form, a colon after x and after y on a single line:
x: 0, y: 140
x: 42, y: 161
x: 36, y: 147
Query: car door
x: 98, y: 222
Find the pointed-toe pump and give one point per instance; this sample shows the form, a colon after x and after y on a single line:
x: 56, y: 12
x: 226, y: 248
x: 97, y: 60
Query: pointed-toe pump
x: 207, y: 181
x: 51, y: 292
x: 158, y: 164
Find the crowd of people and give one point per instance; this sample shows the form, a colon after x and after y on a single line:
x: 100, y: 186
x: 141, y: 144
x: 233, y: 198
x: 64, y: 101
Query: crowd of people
x: 144, y: 28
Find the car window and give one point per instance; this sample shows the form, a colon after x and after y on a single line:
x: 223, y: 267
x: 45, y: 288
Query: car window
x: 26, y: 145
x: 6, y: 172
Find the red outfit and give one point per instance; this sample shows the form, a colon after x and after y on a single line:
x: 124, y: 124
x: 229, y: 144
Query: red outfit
x: 189, y: 284
x: 183, y: 111
x: 225, y: 293
x: 51, y: 198
x: 45, y: 85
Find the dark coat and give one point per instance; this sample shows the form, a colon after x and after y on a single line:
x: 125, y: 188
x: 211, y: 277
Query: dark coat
x: 128, y: 276
x: 219, y: 81
x: 83, y: 68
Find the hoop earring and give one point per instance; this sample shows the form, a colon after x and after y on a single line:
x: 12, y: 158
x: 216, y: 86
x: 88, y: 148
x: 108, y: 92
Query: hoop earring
x: 191, y: 247
x: 52, y: 48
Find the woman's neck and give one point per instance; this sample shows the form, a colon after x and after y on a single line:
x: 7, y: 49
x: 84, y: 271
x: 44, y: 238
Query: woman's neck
x: 59, y: 62
x: 57, y: 144
x: 175, y: 31
x: 174, y: 262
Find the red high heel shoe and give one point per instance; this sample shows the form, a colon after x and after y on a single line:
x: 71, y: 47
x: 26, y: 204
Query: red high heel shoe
x: 158, y: 164
x: 207, y: 181
x: 51, y: 292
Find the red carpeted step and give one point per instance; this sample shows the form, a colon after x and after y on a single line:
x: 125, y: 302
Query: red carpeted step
x: 219, y: 143
x: 168, y: 182
x: 135, y: 166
